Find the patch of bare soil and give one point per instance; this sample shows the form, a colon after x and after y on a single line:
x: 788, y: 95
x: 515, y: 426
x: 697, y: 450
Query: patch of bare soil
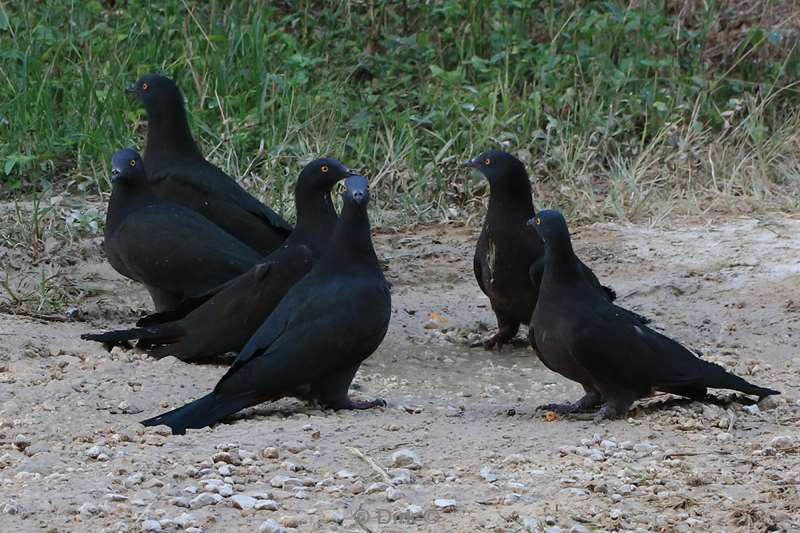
x: 459, y: 447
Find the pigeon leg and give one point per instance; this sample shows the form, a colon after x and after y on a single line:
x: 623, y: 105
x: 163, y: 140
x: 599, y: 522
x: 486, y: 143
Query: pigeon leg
x: 333, y: 391
x: 507, y: 329
x: 588, y: 402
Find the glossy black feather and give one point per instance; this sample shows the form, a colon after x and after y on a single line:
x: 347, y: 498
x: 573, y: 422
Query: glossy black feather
x: 314, y: 342
x: 617, y: 359
x: 179, y: 173
x: 508, y: 256
x: 228, y: 315
x: 174, y: 251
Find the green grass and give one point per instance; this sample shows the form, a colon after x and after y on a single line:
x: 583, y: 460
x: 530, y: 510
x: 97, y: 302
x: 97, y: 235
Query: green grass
x: 619, y: 113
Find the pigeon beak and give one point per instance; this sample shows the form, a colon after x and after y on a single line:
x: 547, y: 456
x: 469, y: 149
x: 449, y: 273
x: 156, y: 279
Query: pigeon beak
x: 470, y: 164
x: 531, y: 223
x: 130, y: 89
x: 358, y: 188
x: 115, y: 174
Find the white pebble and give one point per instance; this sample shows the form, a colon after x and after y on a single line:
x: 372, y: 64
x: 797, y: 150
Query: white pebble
x: 782, y: 442
x: 406, y: 459
x: 240, y: 501
x: 445, y: 505
x: 271, y: 526
x: 266, y: 505
x: 151, y: 525
x: 204, y: 499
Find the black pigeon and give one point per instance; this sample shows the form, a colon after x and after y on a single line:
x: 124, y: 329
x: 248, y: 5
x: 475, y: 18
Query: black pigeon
x: 617, y: 360
x: 175, y: 252
x: 179, y: 173
x: 226, y: 321
x: 508, y: 256
x: 312, y: 345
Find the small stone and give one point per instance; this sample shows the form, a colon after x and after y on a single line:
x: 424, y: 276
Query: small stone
x: 400, y: 476
x: 512, y: 498
x: 266, y: 505
x: 290, y: 521
x: 185, y: 520
x: 344, y: 474
x: 271, y: 526
x: 204, y: 499
x: 240, y: 501
x: 376, y: 487
x: 768, y: 402
x: 193, y: 530
x: 231, y: 458
x: 225, y: 470
x: 488, y: 475
x: 151, y: 525
x: 644, y: 447
x: 445, y: 505
x: 615, y: 514
x: 392, y: 494
x: 21, y: 442
x: 515, y: 459
x: 270, y: 452
x: 291, y: 466
x: 333, y: 517
x: 575, y: 491
x: 608, y: 444
x: 95, y: 451
x: 89, y: 508
x: 724, y: 436
x: 782, y: 442
x: 406, y: 459
x: 577, y: 528
x: 116, y: 497
x: 752, y: 409
x: 132, y: 480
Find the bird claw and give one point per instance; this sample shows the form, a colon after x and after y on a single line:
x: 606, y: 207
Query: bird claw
x: 362, y: 404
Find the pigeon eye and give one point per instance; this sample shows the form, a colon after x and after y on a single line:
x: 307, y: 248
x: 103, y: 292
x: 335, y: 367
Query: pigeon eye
x: 133, y: 162
x: 487, y: 161
x: 145, y: 86
x: 538, y: 220
x: 324, y: 168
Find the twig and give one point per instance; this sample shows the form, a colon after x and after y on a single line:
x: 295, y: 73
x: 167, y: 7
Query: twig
x: 358, y: 453
x: 37, y: 316
x: 691, y: 454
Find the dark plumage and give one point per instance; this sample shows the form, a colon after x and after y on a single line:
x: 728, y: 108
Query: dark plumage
x: 175, y: 252
x: 226, y: 321
x: 508, y: 256
x: 179, y: 173
x: 312, y: 345
x: 617, y: 360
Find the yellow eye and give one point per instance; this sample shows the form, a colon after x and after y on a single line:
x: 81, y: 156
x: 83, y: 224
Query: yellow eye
x: 538, y: 220
x: 487, y: 161
x: 133, y: 162
x: 324, y: 168
x: 145, y: 86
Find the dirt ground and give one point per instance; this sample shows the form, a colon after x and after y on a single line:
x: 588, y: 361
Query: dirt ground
x: 459, y: 447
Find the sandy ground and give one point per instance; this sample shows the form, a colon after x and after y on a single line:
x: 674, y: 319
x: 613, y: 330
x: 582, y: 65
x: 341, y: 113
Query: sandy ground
x: 460, y: 424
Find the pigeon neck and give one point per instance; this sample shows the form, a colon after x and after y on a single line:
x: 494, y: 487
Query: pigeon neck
x: 561, y: 260
x: 351, y: 245
x: 316, y: 218
x: 125, y: 199
x: 511, y: 201
x: 168, y: 134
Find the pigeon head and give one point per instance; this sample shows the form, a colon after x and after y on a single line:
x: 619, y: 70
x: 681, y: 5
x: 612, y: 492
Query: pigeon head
x: 356, y: 190
x: 322, y: 175
x: 552, y: 228
x: 156, y: 92
x: 500, y: 168
x: 127, y: 166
